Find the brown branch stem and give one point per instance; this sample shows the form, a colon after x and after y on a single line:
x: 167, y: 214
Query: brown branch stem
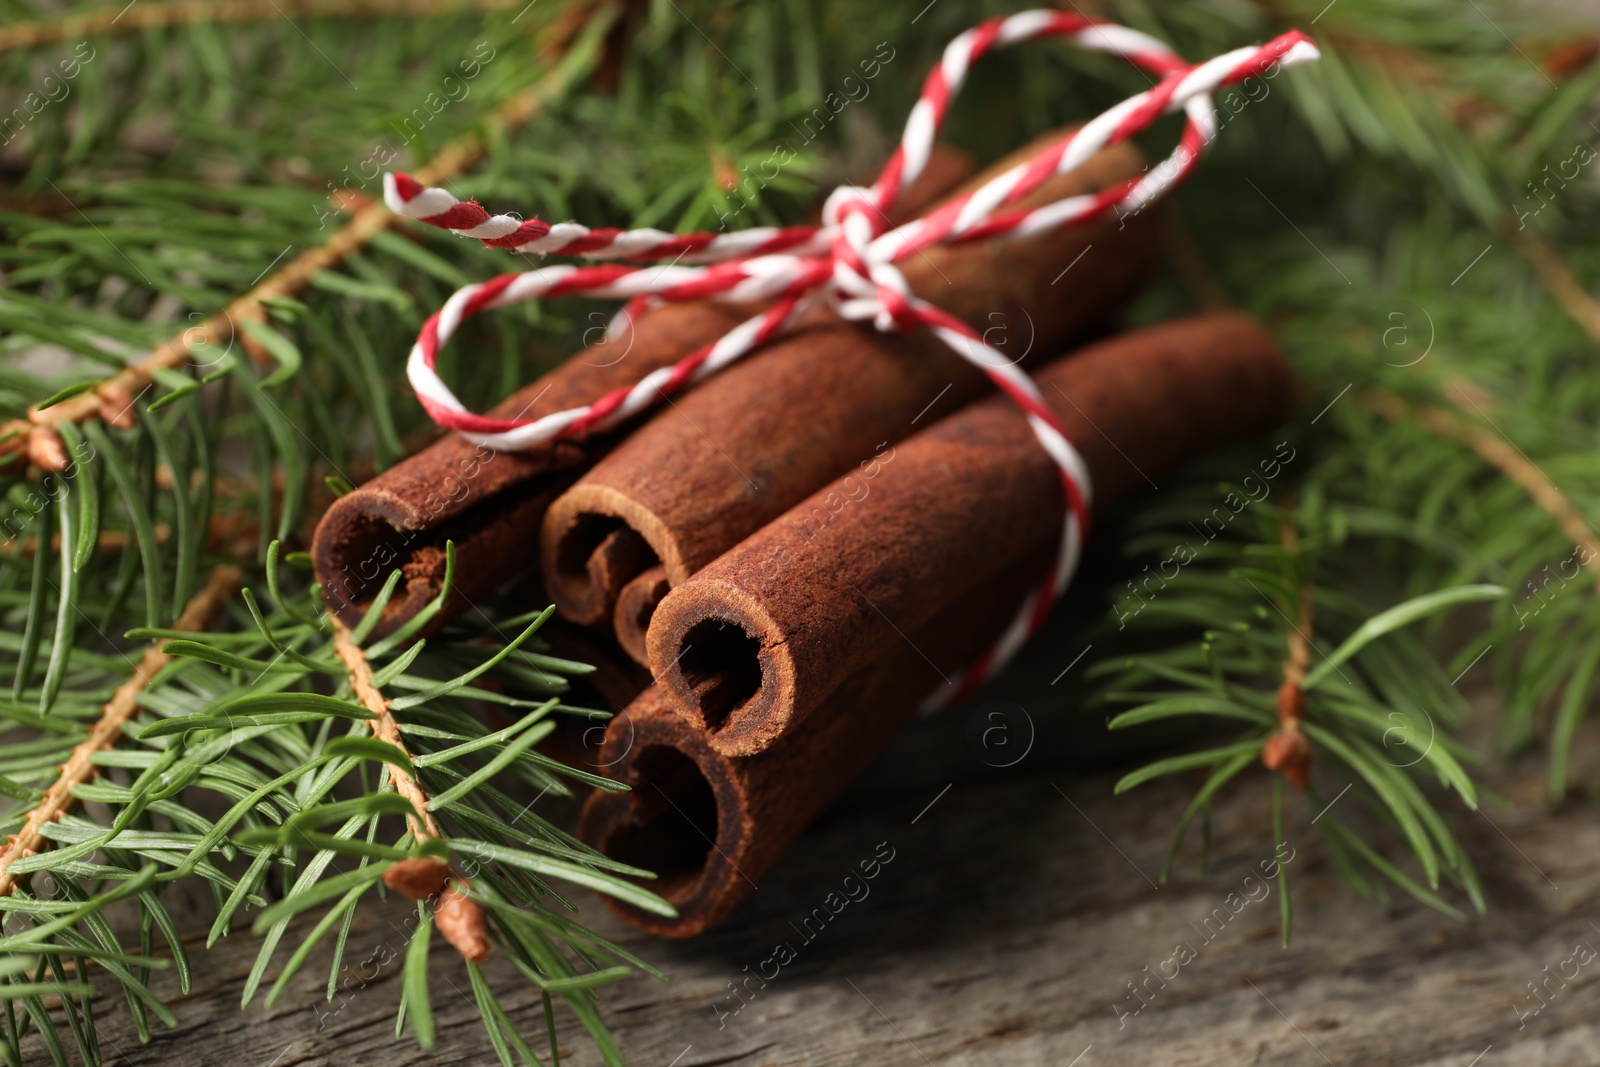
x: 384, y: 728
x: 1287, y: 751
x: 1559, y: 280
x: 199, y: 613
x: 460, y: 919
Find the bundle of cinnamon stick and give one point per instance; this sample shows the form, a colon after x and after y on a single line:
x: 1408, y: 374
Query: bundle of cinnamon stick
x: 807, y: 545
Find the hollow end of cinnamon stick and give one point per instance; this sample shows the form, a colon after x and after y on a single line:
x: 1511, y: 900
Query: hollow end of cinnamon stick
x: 367, y: 535
x: 636, y: 606
x: 726, y: 662
x: 595, y: 541
x: 489, y: 502
x: 681, y: 818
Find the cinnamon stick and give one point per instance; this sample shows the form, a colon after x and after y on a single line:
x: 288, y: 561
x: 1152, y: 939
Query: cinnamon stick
x: 490, y: 503
x: 711, y: 826
x: 743, y: 447
x: 763, y: 635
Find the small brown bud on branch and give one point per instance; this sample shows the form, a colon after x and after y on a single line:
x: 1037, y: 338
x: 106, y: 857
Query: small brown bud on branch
x: 417, y: 879
x: 461, y: 921
x: 46, y: 450
x: 1288, y: 753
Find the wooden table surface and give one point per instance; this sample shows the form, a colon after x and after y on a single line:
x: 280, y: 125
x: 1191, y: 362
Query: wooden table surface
x: 1019, y: 904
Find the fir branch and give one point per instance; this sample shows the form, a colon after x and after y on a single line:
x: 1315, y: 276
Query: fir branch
x: 1505, y: 457
x: 112, y: 401
x: 129, y: 18
x: 658, y: 147
x: 1375, y: 709
x: 197, y: 615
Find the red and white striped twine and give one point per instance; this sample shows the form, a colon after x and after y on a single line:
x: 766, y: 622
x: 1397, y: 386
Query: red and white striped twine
x: 848, y: 261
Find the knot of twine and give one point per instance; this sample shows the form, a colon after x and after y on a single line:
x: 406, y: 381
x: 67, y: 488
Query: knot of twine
x: 848, y: 262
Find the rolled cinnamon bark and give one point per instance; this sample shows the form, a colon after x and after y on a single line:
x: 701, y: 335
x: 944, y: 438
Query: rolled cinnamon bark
x: 740, y: 449
x: 490, y: 503
x: 762, y: 636
x: 636, y: 605
x: 711, y: 825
